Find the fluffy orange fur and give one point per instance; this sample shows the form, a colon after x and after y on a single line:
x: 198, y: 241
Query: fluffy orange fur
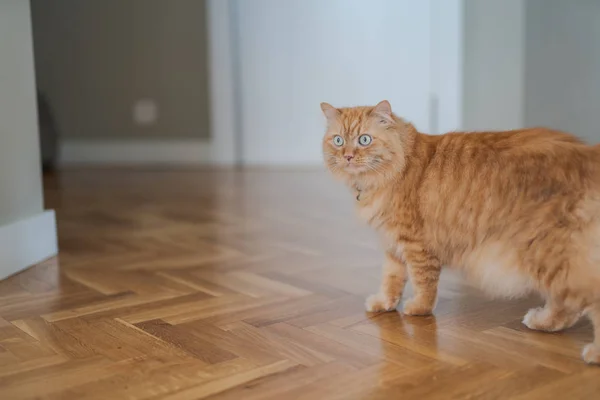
x: 516, y: 211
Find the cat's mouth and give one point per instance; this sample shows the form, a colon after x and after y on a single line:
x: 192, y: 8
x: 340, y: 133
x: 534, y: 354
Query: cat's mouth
x: 354, y: 167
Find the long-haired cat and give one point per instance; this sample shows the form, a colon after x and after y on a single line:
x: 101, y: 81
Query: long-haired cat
x: 516, y: 211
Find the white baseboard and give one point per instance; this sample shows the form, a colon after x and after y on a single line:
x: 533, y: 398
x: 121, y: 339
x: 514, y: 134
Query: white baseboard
x: 137, y: 152
x: 155, y: 152
x: 27, y: 242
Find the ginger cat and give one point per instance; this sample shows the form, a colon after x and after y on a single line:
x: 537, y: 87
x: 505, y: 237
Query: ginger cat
x: 516, y: 211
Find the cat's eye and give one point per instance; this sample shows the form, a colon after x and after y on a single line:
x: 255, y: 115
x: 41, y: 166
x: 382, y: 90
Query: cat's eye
x: 338, y: 140
x: 364, y: 140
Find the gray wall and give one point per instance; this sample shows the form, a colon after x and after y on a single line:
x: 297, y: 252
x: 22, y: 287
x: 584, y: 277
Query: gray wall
x: 96, y: 58
x: 493, y: 64
x: 20, y: 170
x: 562, y: 74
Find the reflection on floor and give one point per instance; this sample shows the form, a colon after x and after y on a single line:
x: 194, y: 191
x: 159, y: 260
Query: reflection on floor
x: 231, y: 285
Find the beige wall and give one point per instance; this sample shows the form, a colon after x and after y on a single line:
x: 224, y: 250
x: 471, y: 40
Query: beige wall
x: 20, y: 170
x: 96, y: 58
x: 494, y: 64
x: 563, y: 66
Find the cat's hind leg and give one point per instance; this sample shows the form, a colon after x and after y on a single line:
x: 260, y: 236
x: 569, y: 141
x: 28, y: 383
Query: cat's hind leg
x: 553, y: 317
x: 591, y: 352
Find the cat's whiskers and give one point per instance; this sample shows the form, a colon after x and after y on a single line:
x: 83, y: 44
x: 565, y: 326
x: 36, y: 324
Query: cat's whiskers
x: 379, y: 170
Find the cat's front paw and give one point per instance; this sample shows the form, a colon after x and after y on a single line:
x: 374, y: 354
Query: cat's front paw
x: 591, y: 354
x: 379, y: 303
x: 416, y: 307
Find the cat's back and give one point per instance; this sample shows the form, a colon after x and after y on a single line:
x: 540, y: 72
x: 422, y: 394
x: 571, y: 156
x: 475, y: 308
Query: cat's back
x: 532, y: 148
x: 484, y: 186
x: 514, y: 141
x: 507, y: 175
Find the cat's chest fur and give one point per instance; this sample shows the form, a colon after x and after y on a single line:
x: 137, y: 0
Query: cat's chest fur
x: 391, y: 211
x: 376, y: 210
x: 384, y: 208
x: 371, y: 208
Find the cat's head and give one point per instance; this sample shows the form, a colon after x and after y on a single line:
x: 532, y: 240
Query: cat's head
x: 364, y: 144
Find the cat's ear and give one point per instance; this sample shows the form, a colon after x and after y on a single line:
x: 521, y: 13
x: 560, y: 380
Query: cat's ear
x: 331, y: 113
x: 383, y: 111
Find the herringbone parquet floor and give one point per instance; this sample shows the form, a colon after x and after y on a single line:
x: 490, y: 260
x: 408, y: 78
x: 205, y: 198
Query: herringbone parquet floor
x: 225, y: 285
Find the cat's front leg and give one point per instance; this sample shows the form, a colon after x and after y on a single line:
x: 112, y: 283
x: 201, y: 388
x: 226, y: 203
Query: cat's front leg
x: 392, y: 285
x: 424, y: 272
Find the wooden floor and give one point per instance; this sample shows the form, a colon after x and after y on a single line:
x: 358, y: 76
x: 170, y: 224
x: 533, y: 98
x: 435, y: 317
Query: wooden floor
x: 223, y: 285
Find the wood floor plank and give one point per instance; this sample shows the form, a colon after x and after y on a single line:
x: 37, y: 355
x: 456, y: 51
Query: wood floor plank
x: 251, y: 285
x: 269, y: 314
x: 53, y: 337
x: 151, y: 377
x: 337, y: 351
x: 358, y: 384
x: 279, y: 385
x: 368, y: 344
x: 185, y: 340
x: 226, y: 383
x: 286, y: 349
x: 62, y: 376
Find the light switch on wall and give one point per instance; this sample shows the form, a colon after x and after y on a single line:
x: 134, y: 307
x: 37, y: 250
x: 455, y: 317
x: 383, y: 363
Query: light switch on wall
x: 145, y: 112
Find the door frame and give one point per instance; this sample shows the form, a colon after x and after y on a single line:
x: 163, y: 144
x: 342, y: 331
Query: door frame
x: 446, y: 91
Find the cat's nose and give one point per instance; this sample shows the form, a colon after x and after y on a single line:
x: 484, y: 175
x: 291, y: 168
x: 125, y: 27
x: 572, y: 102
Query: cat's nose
x: 348, y: 157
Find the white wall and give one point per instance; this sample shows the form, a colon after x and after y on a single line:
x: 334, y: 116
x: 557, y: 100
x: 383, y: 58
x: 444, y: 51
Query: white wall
x: 27, y: 234
x: 447, y: 65
x: 494, y: 64
x: 295, y: 54
x: 20, y: 171
x: 562, y: 78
